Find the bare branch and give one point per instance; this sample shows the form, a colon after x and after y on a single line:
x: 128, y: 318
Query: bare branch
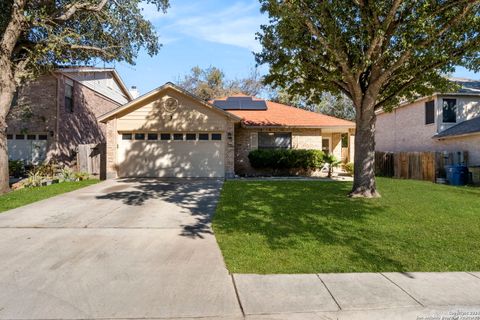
x: 80, y: 6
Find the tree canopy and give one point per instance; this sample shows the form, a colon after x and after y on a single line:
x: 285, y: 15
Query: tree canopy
x: 377, y: 53
x: 211, y: 83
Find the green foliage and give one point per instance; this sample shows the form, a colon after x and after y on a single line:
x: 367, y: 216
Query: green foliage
x: 66, y: 174
x: 16, y: 168
x: 210, y: 83
x: 66, y: 32
x: 311, y: 227
x: 349, y: 168
x: 34, y: 179
x: 286, y: 159
x: 79, y: 176
x: 384, y: 50
x: 332, y: 163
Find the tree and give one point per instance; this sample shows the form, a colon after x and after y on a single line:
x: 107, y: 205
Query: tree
x: 210, y: 83
x: 336, y: 105
x: 38, y: 35
x: 375, y: 52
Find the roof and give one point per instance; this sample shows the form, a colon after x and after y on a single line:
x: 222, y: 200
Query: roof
x: 109, y: 115
x: 280, y: 115
x: 467, y: 85
x: 114, y: 72
x: 467, y: 127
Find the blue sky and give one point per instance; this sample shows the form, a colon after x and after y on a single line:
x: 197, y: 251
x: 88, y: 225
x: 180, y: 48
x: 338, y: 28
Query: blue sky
x: 218, y: 33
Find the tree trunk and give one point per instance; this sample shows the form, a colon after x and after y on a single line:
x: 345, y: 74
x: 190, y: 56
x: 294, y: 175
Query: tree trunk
x: 364, y: 159
x: 7, y: 90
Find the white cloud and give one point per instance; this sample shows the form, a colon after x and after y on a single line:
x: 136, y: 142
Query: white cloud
x: 235, y: 25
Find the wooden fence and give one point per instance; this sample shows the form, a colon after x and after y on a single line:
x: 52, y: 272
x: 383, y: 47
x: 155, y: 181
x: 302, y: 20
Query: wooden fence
x: 417, y: 165
x: 91, y: 158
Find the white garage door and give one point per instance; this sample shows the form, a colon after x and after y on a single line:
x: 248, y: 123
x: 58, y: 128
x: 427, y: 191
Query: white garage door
x: 30, y: 148
x: 171, y: 155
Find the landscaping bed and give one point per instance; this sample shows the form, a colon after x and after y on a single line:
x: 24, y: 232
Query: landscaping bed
x: 312, y: 227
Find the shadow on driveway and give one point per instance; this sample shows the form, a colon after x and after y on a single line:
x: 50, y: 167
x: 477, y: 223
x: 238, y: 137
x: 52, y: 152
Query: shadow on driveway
x: 197, y: 197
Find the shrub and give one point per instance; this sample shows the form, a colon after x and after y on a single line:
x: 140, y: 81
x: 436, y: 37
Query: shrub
x: 16, y: 168
x: 332, y: 162
x: 286, y: 159
x: 349, y: 168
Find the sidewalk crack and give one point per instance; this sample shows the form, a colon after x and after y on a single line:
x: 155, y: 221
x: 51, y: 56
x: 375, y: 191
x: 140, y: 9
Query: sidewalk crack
x: 417, y: 301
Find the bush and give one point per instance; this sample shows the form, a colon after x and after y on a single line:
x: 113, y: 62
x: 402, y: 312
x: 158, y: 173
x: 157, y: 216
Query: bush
x: 349, y: 168
x: 16, y: 168
x: 286, y: 159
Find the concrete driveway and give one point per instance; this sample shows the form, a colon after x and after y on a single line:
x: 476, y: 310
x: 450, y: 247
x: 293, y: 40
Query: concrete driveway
x: 134, y: 248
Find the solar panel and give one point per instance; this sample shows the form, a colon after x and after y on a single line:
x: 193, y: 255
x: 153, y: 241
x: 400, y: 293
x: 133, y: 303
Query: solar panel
x: 240, y: 103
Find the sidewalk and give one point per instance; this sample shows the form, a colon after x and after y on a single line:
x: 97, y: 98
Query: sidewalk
x: 453, y: 295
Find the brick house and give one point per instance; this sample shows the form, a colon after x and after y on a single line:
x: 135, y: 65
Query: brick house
x: 169, y: 132
x: 441, y: 122
x: 53, y: 114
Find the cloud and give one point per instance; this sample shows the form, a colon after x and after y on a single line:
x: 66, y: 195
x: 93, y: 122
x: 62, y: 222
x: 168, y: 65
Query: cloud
x: 234, y: 25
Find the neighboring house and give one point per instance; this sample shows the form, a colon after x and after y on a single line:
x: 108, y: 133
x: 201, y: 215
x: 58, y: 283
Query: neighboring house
x: 169, y: 132
x: 53, y: 114
x: 441, y: 122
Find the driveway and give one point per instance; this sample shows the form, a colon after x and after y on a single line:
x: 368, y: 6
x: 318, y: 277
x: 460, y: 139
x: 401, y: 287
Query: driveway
x: 138, y: 248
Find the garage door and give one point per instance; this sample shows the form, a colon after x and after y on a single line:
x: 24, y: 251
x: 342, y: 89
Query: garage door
x: 171, y: 155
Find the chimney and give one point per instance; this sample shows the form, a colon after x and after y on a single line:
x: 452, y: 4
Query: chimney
x: 134, y: 92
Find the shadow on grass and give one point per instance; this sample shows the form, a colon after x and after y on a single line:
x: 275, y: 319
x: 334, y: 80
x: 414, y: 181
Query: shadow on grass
x: 196, y: 197
x: 290, y: 216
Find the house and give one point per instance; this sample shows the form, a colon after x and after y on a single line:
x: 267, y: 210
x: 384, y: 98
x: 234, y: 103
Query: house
x: 441, y: 122
x: 169, y: 132
x: 53, y: 114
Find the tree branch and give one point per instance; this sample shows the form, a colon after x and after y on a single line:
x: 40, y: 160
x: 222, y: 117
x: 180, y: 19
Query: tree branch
x: 80, y: 6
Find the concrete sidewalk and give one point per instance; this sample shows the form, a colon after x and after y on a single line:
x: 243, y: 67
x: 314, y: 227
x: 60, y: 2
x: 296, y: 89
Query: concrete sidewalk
x: 360, y: 296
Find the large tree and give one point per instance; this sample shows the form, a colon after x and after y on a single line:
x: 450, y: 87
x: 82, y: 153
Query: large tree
x: 211, y: 83
x: 38, y: 35
x: 375, y: 52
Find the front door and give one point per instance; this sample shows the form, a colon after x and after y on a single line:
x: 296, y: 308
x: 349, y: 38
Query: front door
x: 326, y: 145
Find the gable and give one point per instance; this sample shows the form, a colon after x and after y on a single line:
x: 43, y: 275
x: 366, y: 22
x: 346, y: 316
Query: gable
x: 103, y: 82
x: 151, y: 115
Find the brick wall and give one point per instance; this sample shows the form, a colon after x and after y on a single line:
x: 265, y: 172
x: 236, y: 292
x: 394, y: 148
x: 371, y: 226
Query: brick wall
x: 81, y: 125
x: 35, y: 110
x: 246, y: 140
x: 41, y: 109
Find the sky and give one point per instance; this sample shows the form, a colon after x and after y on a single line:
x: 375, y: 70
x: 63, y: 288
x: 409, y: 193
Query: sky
x: 218, y: 33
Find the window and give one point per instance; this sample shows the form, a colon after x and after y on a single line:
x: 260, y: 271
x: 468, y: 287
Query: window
x: 127, y: 136
x: 449, y: 110
x: 274, y: 140
x: 429, y: 112
x: 139, y: 136
x: 165, y: 136
x: 191, y: 136
x: 203, y: 136
x: 216, y: 136
x: 344, y: 140
x: 69, y: 97
x: 178, y: 136
x: 152, y: 136
x: 42, y: 137
x: 20, y: 136
x: 9, y: 136
x: 31, y: 137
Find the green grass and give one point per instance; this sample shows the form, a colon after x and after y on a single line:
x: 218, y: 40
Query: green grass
x: 25, y: 196
x: 311, y: 226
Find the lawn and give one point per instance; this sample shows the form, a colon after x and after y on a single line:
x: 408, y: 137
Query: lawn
x: 311, y: 226
x: 25, y: 196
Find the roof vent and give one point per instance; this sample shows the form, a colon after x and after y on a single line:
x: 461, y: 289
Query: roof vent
x: 240, y: 103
